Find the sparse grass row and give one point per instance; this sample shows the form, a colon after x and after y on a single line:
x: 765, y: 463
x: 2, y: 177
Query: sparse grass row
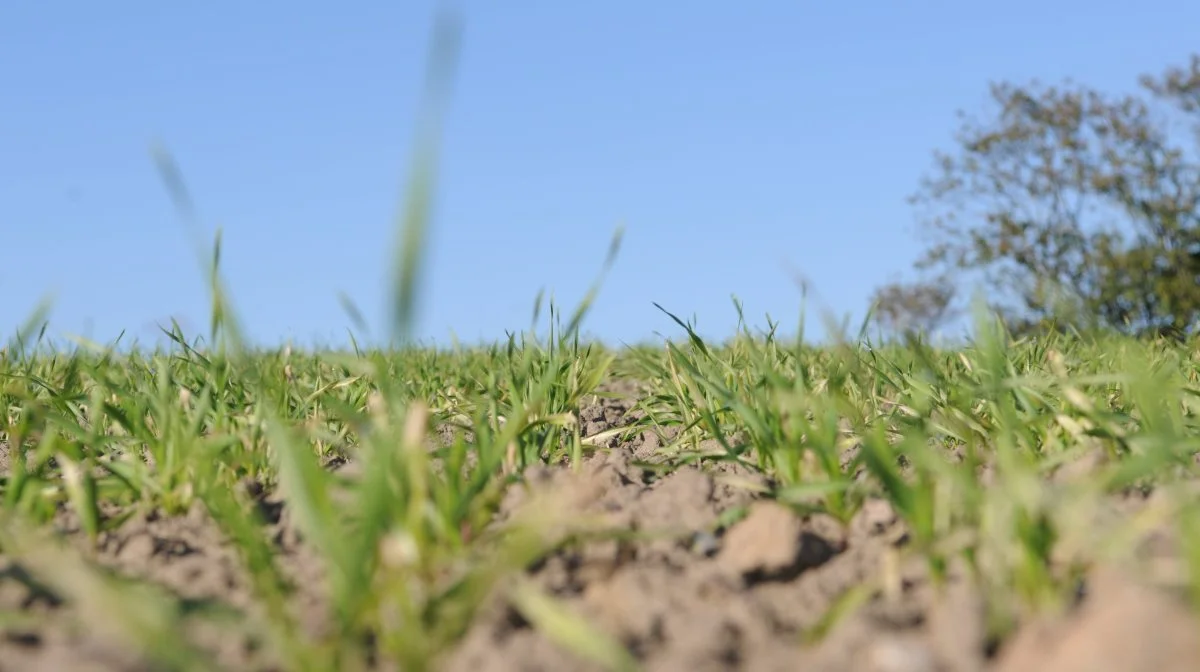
x: 1004, y: 454
x: 979, y: 449
x: 96, y: 431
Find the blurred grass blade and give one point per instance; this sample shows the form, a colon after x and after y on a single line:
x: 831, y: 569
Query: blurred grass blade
x: 418, y: 202
x: 36, y: 322
x: 569, y: 630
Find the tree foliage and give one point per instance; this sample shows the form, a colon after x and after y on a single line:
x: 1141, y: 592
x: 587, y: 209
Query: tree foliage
x: 1072, y: 206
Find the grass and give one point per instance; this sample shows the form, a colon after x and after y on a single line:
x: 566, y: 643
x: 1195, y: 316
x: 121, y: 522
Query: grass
x: 969, y: 446
x: 972, y: 446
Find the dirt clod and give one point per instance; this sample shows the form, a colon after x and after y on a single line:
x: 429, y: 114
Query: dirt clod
x: 772, y: 544
x: 1121, y: 625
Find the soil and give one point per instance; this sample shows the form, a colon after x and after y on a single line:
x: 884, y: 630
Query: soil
x: 728, y: 581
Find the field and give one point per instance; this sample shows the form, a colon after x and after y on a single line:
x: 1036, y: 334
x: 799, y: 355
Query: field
x: 549, y: 504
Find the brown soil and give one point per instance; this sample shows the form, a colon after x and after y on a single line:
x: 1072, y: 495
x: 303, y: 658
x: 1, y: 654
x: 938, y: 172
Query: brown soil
x: 727, y: 581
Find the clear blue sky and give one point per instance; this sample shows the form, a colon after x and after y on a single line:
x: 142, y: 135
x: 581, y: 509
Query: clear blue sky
x: 732, y: 140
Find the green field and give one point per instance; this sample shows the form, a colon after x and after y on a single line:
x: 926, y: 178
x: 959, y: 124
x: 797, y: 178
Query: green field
x: 745, y: 505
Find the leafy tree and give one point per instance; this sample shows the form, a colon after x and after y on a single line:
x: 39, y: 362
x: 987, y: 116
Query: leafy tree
x: 1075, y: 208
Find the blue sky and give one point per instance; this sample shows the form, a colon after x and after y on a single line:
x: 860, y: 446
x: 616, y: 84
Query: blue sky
x: 733, y: 141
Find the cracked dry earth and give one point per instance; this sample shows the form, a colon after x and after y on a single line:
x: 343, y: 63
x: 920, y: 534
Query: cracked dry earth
x: 732, y: 583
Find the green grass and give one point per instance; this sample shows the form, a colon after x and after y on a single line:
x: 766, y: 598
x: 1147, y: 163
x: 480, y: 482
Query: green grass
x: 108, y: 433
x: 962, y: 442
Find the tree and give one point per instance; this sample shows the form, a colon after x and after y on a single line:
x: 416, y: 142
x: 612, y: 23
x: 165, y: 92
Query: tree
x: 1074, y: 208
x: 919, y: 307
